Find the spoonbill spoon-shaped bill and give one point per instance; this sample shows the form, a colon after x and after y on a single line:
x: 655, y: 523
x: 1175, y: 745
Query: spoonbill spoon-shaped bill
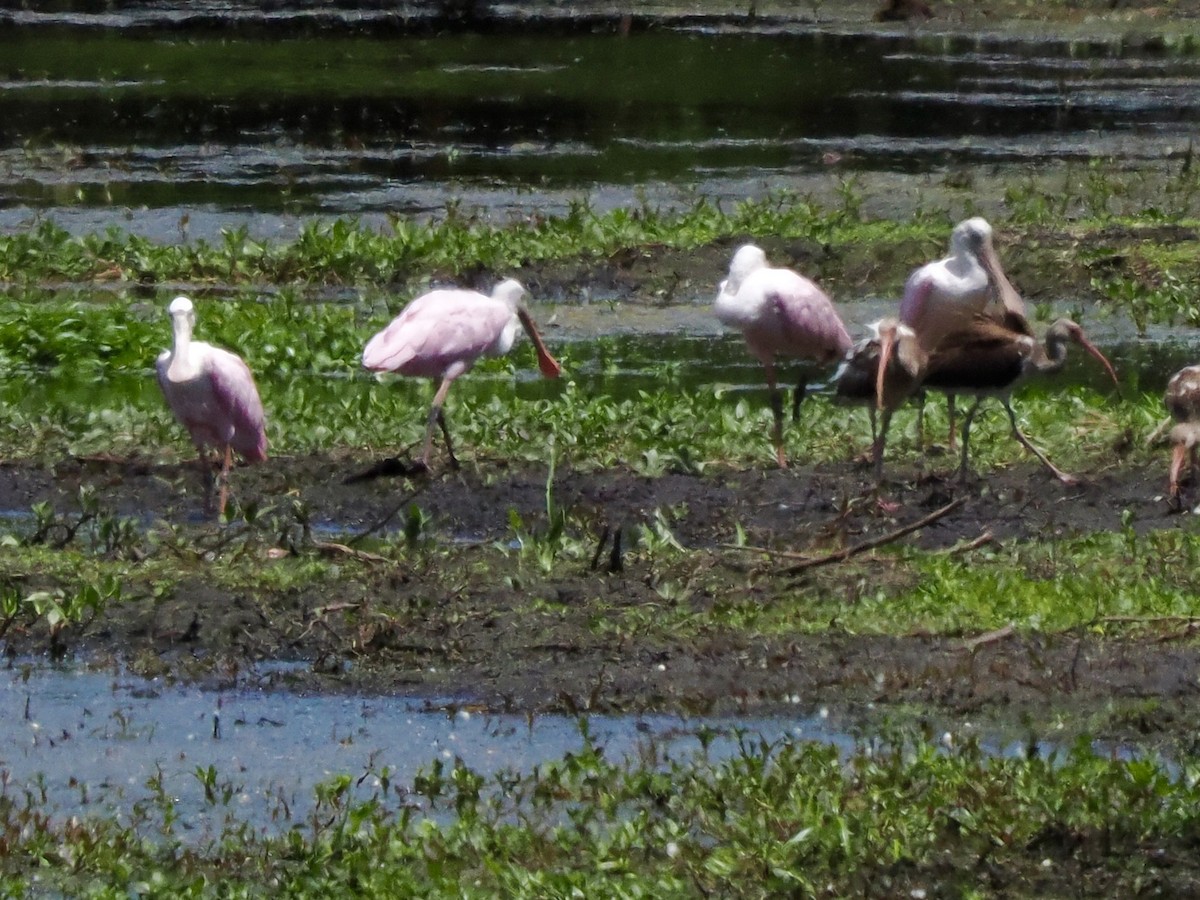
x: 991, y: 360
x: 443, y: 333
x: 212, y: 393
x: 780, y: 314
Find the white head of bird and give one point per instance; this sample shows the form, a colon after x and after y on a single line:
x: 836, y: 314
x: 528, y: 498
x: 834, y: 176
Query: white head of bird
x: 972, y: 238
x: 748, y: 259
x: 511, y: 292
x: 182, y: 306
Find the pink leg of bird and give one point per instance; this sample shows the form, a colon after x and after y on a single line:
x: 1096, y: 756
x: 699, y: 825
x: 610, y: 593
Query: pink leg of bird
x: 225, y: 467
x: 437, y: 416
x: 205, y: 477
x: 777, y: 412
x: 1058, y: 473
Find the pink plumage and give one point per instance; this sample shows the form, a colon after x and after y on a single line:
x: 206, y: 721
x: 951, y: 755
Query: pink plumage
x: 212, y: 393
x: 779, y: 313
x: 443, y: 333
x: 945, y: 296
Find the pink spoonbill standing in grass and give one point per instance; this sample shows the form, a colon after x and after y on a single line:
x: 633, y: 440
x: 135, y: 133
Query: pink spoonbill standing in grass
x: 212, y: 393
x: 780, y: 313
x: 944, y: 297
x: 443, y: 333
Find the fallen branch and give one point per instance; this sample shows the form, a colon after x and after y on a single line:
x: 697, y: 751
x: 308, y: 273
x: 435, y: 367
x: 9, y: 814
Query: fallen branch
x: 333, y: 547
x: 318, y: 618
x: 854, y: 550
x: 412, y: 495
x: 966, y: 546
x: 990, y: 637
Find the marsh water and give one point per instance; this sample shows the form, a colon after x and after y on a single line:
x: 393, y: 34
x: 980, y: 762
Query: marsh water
x: 179, y: 126
x: 100, y: 742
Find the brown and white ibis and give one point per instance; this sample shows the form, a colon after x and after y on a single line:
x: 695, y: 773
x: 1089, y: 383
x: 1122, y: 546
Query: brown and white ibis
x: 861, y: 378
x: 991, y: 360
x: 1183, y: 403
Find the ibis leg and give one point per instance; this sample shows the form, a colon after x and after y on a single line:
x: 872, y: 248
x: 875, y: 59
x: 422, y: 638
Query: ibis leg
x: 1058, y: 473
x: 950, y: 415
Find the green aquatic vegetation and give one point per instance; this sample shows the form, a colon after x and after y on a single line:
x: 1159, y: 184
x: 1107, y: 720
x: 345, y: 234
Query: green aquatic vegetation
x: 1167, y: 300
x: 347, y: 252
x: 895, y: 816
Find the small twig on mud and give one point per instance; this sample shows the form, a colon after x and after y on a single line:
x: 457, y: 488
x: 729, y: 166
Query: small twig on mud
x: 990, y: 637
x: 318, y: 617
x: 412, y: 495
x: 965, y: 546
x: 332, y: 547
x: 847, y: 552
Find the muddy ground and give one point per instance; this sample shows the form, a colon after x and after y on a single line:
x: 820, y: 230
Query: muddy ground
x: 434, y: 624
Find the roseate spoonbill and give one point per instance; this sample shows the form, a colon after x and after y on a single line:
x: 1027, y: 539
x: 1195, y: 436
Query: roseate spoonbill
x: 441, y: 334
x: 990, y: 360
x: 945, y: 296
x: 212, y: 394
x: 1183, y: 402
x: 860, y: 378
x: 779, y: 313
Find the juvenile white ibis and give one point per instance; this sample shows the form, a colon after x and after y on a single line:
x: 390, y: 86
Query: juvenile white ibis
x: 991, y: 360
x: 779, y: 313
x: 443, y: 333
x: 945, y: 296
x: 1183, y: 403
x: 212, y: 393
x: 861, y: 378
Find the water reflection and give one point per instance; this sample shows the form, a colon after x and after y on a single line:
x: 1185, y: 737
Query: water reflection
x: 105, y: 121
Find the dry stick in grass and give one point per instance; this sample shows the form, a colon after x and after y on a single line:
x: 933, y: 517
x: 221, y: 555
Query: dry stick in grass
x: 811, y: 562
x: 990, y: 637
x: 965, y: 546
x: 847, y: 552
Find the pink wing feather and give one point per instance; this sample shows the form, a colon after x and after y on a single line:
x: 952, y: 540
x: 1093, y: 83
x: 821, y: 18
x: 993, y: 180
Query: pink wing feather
x: 809, y: 320
x: 236, y: 396
x: 916, y: 293
x: 436, y: 332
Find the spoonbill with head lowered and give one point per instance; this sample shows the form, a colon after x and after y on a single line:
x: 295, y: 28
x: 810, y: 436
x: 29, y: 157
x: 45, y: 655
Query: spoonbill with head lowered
x: 443, y: 333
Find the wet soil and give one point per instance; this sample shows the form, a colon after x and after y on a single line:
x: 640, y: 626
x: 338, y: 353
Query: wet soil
x: 462, y: 619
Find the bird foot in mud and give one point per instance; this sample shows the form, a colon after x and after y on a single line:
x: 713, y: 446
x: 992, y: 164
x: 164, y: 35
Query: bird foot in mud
x: 388, y: 468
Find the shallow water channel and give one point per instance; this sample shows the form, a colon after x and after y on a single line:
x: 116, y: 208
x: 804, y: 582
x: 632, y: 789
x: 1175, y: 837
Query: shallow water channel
x: 91, y: 741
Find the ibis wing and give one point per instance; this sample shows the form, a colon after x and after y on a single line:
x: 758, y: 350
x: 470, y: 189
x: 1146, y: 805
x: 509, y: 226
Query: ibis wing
x: 978, y: 360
